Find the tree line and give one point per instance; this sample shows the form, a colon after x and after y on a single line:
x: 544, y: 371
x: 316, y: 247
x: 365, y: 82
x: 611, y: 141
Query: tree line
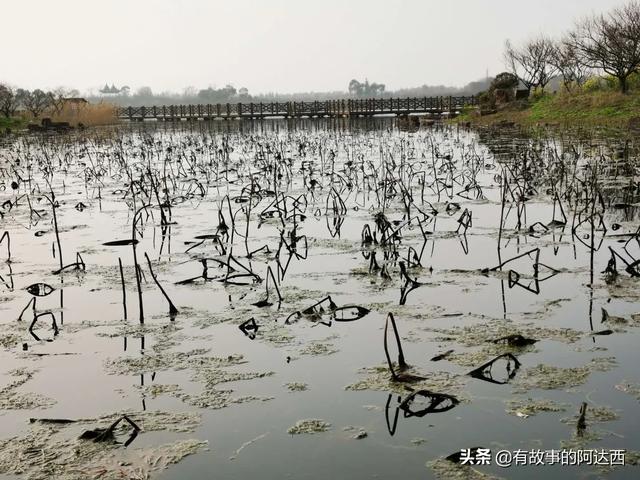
x: 608, y: 43
x: 229, y: 94
x: 36, y: 102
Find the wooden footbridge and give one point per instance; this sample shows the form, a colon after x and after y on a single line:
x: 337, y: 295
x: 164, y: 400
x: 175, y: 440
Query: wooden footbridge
x: 328, y: 108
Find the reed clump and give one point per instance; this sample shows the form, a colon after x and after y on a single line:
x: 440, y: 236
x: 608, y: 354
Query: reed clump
x: 88, y: 114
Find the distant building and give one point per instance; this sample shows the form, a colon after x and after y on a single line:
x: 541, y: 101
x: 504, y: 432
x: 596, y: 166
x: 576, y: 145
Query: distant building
x: 113, y: 90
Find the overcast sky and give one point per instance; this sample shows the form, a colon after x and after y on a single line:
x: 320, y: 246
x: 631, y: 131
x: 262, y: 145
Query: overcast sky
x: 268, y: 45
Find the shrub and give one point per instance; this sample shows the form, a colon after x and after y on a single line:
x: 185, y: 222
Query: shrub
x: 487, y: 99
x: 537, y: 94
x: 594, y: 84
x: 634, y: 81
x: 504, y: 80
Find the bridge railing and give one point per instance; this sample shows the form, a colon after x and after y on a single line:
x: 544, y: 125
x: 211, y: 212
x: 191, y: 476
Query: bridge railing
x: 364, y: 106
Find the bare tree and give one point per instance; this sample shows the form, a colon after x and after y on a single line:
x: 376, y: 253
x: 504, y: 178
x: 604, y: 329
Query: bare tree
x: 8, y: 101
x: 58, y: 97
x: 567, y: 60
x: 611, y: 42
x: 21, y: 96
x: 531, y: 62
x: 36, y: 102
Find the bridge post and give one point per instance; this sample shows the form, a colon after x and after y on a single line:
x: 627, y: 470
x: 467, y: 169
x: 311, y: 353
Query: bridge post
x: 450, y: 104
x: 228, y: 111
x: 251, y: 108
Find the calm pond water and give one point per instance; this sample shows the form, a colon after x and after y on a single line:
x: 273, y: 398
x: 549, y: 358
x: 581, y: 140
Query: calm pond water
x: 477, y: 243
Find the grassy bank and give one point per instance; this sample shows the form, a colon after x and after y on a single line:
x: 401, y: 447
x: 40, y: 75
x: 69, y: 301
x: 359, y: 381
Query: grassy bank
x: 13, y: 123
x: 599, y: 108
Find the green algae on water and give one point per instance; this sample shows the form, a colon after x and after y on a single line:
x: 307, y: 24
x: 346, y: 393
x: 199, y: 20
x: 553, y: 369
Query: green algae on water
x: 311, y: 426
x: 11, y: 399
x: 54, y: 450
x: 446, y: 470
x: 296, y: 386
x: 379, y: 379
x: 524, y: 408
x: 548, y: 377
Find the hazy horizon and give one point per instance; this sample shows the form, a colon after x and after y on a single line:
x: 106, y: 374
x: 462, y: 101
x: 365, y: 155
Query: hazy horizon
x: 278, y: 46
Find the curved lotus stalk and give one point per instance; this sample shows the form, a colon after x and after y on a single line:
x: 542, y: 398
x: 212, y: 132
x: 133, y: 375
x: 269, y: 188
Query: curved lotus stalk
x: 173, y: 311
x: 6, y: 238
x: 435, y: 403
x: 249, y: 328
x: 349, y: 313
x: 485, y: 371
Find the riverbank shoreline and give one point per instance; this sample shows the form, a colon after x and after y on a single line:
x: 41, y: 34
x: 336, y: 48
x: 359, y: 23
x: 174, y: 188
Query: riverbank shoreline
x: 589, y: 109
